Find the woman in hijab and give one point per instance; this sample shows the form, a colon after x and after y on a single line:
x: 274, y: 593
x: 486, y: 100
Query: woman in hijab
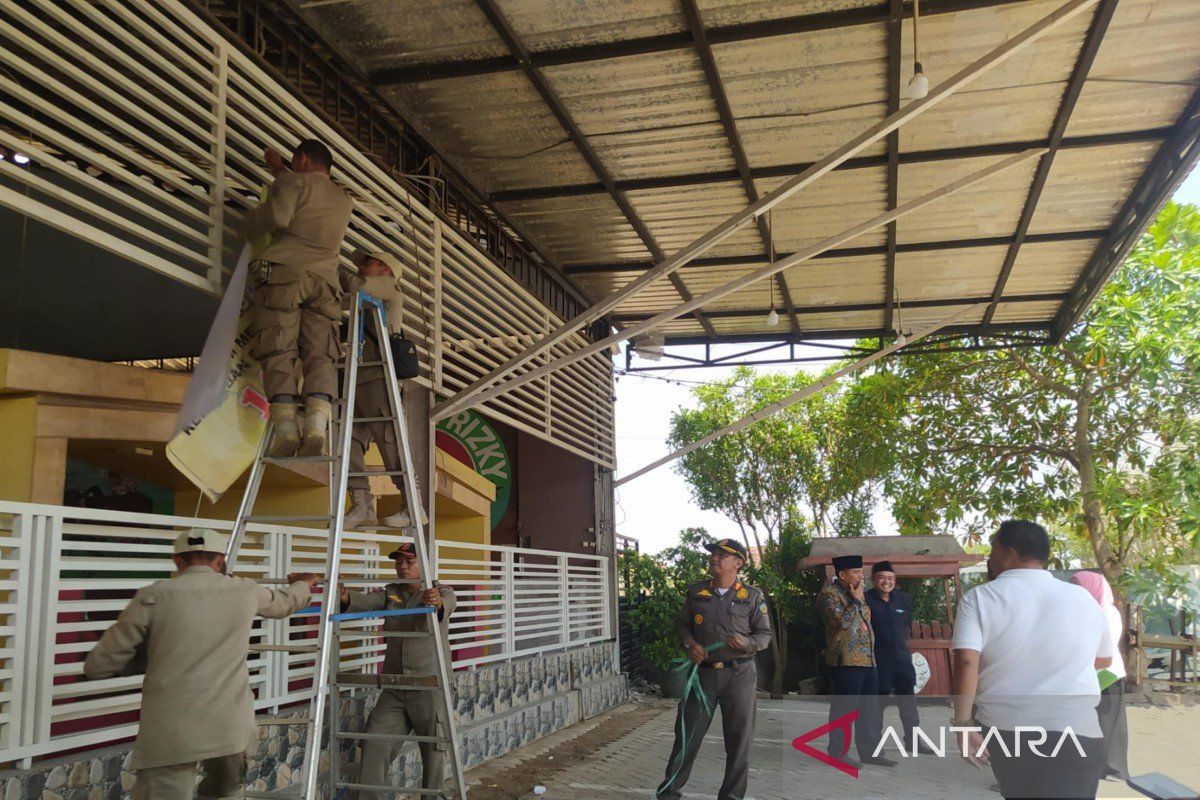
x: 1112, y: 697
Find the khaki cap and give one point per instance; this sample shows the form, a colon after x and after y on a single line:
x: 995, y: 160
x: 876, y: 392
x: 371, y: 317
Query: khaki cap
x: 360, y: 256
x: 201, y: 540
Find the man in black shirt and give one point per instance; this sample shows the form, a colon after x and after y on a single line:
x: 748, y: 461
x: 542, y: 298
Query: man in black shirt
x: 891, y: 616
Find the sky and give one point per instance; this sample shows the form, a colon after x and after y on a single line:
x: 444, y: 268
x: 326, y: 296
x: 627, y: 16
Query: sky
x: 655, y: 507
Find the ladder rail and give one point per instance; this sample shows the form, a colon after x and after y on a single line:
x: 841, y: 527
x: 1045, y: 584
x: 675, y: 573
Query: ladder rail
x: 326, y: 688
x: 416, y: 514
x: 248, y: 497
x: 333, y: 558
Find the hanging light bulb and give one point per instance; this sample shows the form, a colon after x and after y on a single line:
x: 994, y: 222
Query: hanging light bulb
x: 20, y: 158
x: 772, y: 315
x: 918, y: 84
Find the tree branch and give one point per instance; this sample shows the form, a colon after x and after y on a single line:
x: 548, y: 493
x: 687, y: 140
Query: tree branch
x: 1042, y: 379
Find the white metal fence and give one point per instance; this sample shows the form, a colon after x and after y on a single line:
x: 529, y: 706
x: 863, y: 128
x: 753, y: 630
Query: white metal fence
x: 145, y: 130
x: 65, y: 574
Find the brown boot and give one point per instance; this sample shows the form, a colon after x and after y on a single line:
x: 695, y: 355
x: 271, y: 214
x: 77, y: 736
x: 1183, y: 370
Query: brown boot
x: 362, y: 510
x: 316, y: 427
x: 286, y: 438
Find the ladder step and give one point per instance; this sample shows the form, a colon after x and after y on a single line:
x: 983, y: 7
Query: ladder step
x: 284, y: 648
x: 391, y: 737
x: 387, y: 634
x: 265, y: 518
x: 361, y: 364
x: 373, y: 419
x: 377, y: 472
x: 299, y: 459
x: 282, y: 721
x: 417, y: 683
x: 373, y: 528
x: 371, y: 787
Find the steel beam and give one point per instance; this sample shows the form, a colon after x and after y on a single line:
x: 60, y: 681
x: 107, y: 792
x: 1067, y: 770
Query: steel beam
x: 814, y: 335
x: 1083, y: 66
x: 659, y: 43
x: 795, y: 397
x: 1172, y: 163
x: 471, y: 394
x: 846, y: 308
x: 1145, y: 136
x: 895, y: 31
x: 483, y: 395
x: 949, y: 344
x: 1050, y: 237
x: 716, y: 87
x: 512, y: 40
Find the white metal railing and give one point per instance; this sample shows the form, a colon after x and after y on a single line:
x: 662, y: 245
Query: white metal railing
x: 145, y: 130
x: 65, y: 573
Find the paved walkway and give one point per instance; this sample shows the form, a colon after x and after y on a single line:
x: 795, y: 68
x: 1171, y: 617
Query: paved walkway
x: 632, y: 765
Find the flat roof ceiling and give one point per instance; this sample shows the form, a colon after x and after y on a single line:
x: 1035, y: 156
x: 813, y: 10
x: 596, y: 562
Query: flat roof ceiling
x: 634, y: 126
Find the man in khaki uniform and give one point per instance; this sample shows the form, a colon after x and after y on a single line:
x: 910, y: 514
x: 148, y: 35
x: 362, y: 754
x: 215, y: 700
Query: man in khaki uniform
x: 193, y: 631
x: 400, y: 712
x: 731, y: 617
x: 295, y: 301
x: 378, y: 276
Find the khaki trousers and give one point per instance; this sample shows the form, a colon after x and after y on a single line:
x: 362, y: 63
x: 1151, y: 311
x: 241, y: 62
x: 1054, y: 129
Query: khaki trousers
x: 734, y: 690
x: 401, y: 713
x: 370, y: 400
x: 223, y: 777
x: 294, y: 318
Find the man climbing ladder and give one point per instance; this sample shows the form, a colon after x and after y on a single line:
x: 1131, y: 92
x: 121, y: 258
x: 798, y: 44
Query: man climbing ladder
x: 366, y: 317
x: 379, y: 277
x: 294, y: 296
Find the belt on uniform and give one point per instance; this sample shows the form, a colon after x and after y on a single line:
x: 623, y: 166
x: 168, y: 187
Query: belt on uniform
x: 729, y: 662
x: 260, y: 268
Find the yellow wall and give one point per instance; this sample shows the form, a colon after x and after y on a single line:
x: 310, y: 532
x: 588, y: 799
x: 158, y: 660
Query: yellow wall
x: 18, y: 447
x: 288, y: 499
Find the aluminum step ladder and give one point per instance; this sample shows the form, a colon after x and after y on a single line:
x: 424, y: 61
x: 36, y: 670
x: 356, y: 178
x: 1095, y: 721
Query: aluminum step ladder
x: 365, y: 311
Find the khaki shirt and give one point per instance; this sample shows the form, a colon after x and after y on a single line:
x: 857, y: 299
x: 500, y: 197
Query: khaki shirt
x: 849, y: 639
x: 708, y: 618
x: 194, y: 630
x: 306, y: 215
x: 405, y: 656
x: 387, y: 290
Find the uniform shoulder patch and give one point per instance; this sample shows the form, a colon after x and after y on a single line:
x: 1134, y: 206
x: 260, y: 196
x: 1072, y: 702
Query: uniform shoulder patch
x: 762, y: 608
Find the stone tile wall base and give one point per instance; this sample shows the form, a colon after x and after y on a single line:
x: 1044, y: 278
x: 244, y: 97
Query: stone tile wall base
x: 499, y: 708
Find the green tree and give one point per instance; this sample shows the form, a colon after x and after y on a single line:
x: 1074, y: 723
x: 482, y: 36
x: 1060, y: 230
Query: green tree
x: 654, y: 585
x: 822, y: 459
x: 1099, y: 433
x: 815, y: 468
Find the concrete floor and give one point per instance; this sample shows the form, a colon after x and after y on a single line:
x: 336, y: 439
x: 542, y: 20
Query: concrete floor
x: 631, y: 764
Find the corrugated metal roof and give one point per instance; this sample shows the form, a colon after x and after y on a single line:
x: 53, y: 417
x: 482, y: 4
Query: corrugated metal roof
x: 801, y: 77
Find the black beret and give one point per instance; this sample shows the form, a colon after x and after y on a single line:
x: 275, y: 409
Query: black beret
x: 882, y: 566
x: 846, y: 562
x: 407, y: 549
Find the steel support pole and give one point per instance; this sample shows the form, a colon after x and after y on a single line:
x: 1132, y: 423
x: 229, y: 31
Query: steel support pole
x: 470, y: 395
x: 779, y: 405
x: 765, y: 272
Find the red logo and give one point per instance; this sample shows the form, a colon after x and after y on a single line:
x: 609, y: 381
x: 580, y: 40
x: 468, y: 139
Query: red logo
x: 252, y: 399
x: 846, y: 724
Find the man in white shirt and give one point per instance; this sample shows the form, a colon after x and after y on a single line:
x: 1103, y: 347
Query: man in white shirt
x: 1026, y: 650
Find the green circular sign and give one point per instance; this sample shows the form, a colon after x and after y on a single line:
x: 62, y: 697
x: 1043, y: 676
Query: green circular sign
x: 472, y: 440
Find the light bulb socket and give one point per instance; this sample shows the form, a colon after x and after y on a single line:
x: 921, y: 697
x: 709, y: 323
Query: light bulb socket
x: 918, y: 85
